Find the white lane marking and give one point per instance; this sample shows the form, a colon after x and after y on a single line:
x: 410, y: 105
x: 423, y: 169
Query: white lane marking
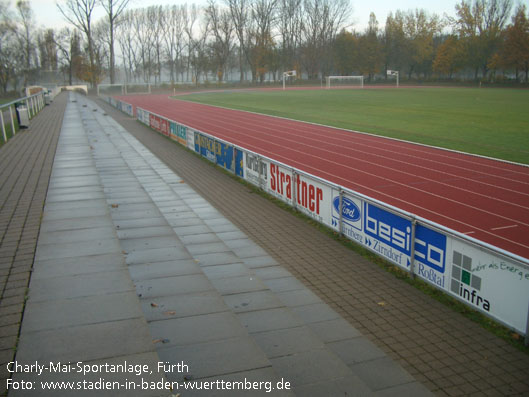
x: 503, y: 227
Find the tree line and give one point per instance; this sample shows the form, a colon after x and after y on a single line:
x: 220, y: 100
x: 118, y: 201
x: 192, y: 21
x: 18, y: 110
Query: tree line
x: 257, y: 40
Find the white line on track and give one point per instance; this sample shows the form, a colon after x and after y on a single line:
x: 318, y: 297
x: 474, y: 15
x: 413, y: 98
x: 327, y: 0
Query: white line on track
x: 503, y: 227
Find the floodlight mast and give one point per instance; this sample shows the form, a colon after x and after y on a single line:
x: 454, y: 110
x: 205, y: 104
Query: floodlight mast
x: 288, y: 74
x: 394, y: 73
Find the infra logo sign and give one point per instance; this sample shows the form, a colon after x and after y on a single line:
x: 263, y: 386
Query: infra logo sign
x: 464, y: 283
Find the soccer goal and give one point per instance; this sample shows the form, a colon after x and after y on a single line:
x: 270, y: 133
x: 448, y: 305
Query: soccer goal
x: 123, y: 89
x: 345, y: 81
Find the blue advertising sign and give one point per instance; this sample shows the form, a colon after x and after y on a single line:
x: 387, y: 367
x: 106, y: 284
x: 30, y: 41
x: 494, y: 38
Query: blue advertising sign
x: 224, y: 154
x: 239, y: 163
x: 430, y: 248
x: 388, y: 228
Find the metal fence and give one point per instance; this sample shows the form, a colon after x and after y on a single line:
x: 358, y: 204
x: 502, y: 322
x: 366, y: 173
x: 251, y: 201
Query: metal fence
x: 8, y: 119
x: 486, y: 278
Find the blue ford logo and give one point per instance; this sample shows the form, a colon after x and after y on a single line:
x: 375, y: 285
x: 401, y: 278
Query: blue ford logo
x: 349, y: 209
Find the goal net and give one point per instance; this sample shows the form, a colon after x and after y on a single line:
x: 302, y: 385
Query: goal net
x: 345, y: 82
x: 123, y: 89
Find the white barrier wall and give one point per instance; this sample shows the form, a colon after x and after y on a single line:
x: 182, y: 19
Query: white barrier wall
x: 484, y: 277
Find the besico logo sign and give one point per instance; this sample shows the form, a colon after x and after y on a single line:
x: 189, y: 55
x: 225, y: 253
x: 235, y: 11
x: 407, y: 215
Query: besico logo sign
x: 390, y: 235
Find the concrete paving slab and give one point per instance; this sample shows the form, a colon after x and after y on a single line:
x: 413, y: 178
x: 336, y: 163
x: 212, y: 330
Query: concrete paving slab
x: 260, y: 261
x: 127, y: 225
x: 237, y: 285
x: 197, y: 329
x: 270, y: 272
x: 81, y: 285
x: 78, y: 248
x: 315, y: 313
x: 298, y: 297
x: 207, y: 248
x: 75, y: 223
x: 381, y: 373
x: 334, y: 330
x: 69, y: 214
x: 173, y: 286
x: 182, y: 305
x: 286, y: 342
x: 143, y: 232
x: 86, y: 342
x: 214, y: 359
x: 68, y: 205
x: 222, y: 258
x: 80, y: 235
x: 200, y: 238
x: 146, y: 243
x: 153, y: 270
x: 269, y: 320
x: 226, y: 271
x: 57, y: 314
x: 57, y: 198
x: 305, y: 367
x: 283, y: 284
x: 252, y: 301
x: 53, y: 268
x: 156, y: 255
x: 356, y: 350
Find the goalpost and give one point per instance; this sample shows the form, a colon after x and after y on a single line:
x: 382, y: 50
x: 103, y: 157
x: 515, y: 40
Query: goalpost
x: 345, y: 81
x: 291, y: 73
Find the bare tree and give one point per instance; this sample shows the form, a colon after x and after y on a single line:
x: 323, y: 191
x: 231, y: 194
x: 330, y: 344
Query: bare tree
x: 79, y: 14
x: 8, y: 50
x: 26, y: 36
x: 239, y: 11
x: 323, y: 19
x: 68, y: 42
x: 173, y: 36
x: 114, y: 9
x: 290, y: 24
x: 221, y: 26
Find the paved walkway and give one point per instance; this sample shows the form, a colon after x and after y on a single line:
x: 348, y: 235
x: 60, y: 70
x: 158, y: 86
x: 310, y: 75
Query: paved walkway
x: 25, y: 168
x: 213, y: 306
x: 446, y: 352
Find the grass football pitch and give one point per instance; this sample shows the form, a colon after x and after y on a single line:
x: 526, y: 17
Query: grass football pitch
x: 487, y: 121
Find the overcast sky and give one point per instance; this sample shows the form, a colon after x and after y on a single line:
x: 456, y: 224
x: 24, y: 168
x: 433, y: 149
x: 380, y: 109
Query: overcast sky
x: 48, y: 15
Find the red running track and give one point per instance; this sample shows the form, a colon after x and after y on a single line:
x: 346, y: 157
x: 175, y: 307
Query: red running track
x: 483, y: 198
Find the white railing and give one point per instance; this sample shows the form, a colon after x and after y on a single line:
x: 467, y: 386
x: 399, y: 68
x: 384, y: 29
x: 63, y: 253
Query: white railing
x: 34, y: 104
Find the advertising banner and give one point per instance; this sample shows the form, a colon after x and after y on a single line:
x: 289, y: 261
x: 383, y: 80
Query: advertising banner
x: 224, y: 155
x: 430, y: 256
x: 127, y: 108
x: 207, y: 147
x: 313, y: 198
x: 159, y: 124
x: 239, y: 163
x: 173, y: 129
x: 280, y: 183
x: 352, y: 216
x: 253, y: 172
x: 489, y: 283
x: 191, y: 139
x: 387, y: 234
x: 182, y: 136
x: 143, y: 116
